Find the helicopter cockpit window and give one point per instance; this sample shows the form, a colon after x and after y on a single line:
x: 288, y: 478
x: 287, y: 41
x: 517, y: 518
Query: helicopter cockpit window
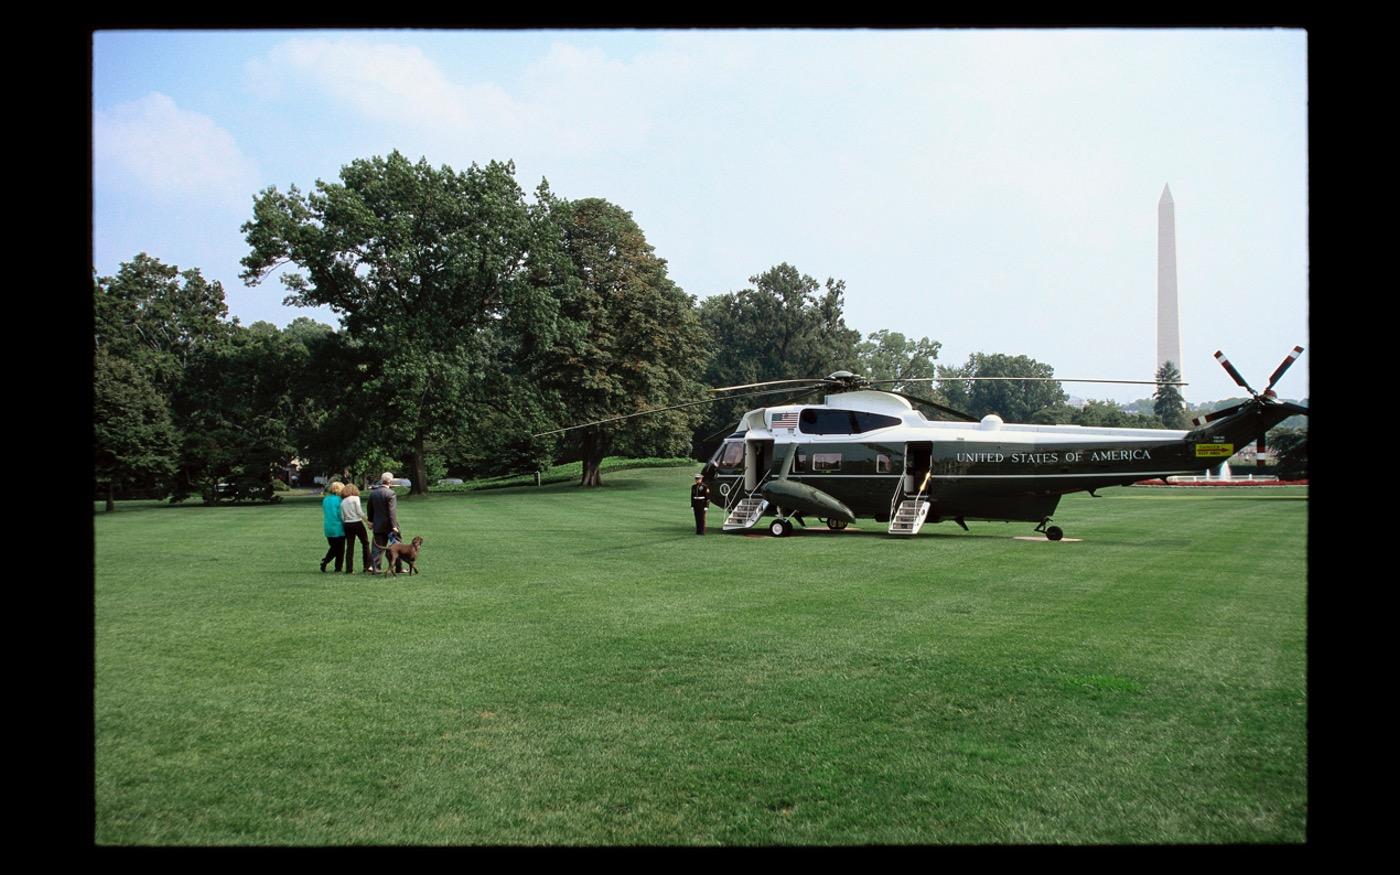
x: 732, y: 455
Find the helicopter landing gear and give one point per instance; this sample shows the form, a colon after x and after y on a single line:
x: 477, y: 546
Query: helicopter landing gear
x: 1052, y: 533
x: 780, y: 528
x: 835, y: 525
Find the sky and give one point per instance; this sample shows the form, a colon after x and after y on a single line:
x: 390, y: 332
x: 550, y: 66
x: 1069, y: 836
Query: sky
x: 993, y: 190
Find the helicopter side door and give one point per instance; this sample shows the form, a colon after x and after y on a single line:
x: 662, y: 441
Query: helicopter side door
x: 758, y: 458
x: 918, y: 461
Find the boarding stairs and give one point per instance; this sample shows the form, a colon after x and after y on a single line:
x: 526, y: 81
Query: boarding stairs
x: 747, y: 510
x: 745, y: 513
x: 910, y: 516
x: 908, y: 512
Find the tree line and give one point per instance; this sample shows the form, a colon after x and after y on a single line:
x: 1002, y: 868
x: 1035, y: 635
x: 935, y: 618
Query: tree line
x: 472, y: 317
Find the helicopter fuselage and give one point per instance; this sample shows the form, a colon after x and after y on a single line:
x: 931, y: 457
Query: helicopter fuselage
x: 866, y: 449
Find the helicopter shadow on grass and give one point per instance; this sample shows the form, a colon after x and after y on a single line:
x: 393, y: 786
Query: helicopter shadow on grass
x: 859, y: 533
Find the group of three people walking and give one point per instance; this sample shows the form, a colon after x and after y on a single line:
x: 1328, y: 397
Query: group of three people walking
x: 344, y: 523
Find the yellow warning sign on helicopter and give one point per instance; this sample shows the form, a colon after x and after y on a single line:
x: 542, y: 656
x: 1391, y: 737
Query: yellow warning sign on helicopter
x: 1214, y: 451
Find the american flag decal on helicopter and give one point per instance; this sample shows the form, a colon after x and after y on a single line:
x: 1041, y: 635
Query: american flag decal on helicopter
x: 785, y: 420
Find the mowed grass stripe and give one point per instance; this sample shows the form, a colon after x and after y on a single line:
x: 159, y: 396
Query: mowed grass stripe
x: 577, y: 667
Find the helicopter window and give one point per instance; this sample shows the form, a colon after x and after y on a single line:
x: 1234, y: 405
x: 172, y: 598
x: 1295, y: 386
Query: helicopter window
x: 826, y: 462
x: 882, y: 463
x: 815, y: 421
x: 871, y: 421
x: 732, y: 455
x: 800, y: 463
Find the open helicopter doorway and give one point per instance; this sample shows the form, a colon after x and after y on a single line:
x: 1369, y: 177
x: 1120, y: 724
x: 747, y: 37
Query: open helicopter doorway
x: 918, y: 460
x: 758, y: 458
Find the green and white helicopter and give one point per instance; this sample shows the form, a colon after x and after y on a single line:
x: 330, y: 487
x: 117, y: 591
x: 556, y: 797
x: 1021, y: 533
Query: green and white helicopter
x: 868, y: 452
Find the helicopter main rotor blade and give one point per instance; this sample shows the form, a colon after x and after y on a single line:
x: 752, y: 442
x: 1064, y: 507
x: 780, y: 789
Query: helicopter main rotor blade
x: 1285, y: 365
x: 956, y: 414
x: 1234, y: 374
x: 1028, y: 380
x: 658, y: 410
x: 788, y: 400
x: 818, y: 380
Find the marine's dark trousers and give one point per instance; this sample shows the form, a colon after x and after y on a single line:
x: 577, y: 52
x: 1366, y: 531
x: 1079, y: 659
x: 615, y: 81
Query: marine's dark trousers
x: 353, y: 531
x: 699, y: 520
x: 336, y: 552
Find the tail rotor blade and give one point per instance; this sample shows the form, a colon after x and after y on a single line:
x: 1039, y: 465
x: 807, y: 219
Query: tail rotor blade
x: 1234, y: 374
x: 1217, y: 414
x: 1285, y: 365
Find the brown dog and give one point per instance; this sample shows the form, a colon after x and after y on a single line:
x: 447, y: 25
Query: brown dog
x: 401, y: 552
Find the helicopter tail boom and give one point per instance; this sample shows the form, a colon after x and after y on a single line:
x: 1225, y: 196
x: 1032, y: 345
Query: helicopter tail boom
x: 1244, y: 424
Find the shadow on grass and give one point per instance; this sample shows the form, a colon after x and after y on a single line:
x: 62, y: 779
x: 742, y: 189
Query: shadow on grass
x: 569, y: 487
x: 146, y: 505
x: 874, y: 531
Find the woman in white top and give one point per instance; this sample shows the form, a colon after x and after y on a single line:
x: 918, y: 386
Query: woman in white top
x: 353, y: 518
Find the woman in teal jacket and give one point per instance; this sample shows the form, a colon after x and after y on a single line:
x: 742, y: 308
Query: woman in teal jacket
x: 335, y: 530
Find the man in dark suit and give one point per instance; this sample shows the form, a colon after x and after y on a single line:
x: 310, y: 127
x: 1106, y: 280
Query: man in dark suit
x: 699, y: 501
x: 383, y: 517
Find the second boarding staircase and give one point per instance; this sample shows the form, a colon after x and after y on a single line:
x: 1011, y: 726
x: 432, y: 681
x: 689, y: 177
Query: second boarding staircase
x: 911, y: 511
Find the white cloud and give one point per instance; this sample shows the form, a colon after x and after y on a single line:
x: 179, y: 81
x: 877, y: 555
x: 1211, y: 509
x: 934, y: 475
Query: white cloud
x: 384, y: 82
x: 574, y: 101
x: 153, y: 147
x: 390, y: 84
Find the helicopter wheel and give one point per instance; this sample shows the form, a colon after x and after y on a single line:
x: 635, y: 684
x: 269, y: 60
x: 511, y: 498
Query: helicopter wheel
x: 780, y: 528
x: 1054, y: 533
x: 835, y: 525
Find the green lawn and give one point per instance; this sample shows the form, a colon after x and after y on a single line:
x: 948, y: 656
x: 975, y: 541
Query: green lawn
x: 578, y: 667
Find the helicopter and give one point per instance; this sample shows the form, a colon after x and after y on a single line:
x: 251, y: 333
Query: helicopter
x: 869, y: 452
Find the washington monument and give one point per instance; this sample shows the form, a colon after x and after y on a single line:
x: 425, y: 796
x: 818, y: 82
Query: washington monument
x: 1168, y: 310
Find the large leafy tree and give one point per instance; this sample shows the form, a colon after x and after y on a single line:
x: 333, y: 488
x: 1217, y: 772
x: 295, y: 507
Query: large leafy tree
x: 1095, y: 413
x: 1169, y: 406
x: 150, y: 322
x: 158, y: 316
x: 630, y: 339
x: 1291, y: 444
x: 785, y: 325
x: 444, y: 278
x: 134, y: 440
x: 1013, y: 401
x: 239, y: 406
x: 889, y: 355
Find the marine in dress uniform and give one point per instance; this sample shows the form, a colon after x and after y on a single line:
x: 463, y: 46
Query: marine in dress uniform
x: 699, y: 500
